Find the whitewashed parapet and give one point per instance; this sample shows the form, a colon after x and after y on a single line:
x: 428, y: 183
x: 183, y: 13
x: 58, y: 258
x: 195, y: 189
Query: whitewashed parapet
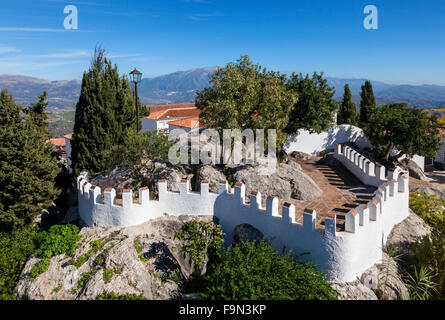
x: 365, y: 170
x: 342, y: 256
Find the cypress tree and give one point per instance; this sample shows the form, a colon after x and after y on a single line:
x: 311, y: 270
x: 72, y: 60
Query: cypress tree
x: 104, y: 112
x: 347, y: 113
x: 27, y: 165
x: 37, y: 113
x: 367, y: 103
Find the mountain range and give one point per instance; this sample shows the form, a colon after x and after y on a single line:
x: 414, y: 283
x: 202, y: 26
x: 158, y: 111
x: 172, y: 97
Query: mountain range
x: 181, y: 86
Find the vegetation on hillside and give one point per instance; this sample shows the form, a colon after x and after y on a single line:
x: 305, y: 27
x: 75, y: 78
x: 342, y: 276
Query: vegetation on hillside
x: 254, y: 270
x: 396, y: 130
x: 428, y: 277
x: 28, y: 167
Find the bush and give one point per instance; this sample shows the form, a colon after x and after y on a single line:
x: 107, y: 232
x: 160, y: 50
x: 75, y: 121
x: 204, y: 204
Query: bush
x: 39, y: 268
x: 429, y: 253
x: 429, y: 208
x: 199, y: 237
x: 16, y: 247
x: 254, y: 270
x: 57, y: 240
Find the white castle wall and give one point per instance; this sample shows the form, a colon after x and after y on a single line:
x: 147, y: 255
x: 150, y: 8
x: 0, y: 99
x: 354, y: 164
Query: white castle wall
x: 314, y: 143
x: 342, y: 256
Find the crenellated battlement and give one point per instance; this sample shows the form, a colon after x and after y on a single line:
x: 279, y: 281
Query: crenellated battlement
x: 92, y: 199
x: 342, y: 256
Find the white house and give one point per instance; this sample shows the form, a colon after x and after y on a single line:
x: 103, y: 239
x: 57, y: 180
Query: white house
x: 162, y: 115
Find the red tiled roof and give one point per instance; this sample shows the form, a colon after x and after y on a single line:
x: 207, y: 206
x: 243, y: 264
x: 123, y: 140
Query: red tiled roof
x: 189, y: 123
x: 442, y: 132
x: 58, y: 142
x: 183, y: 110
x: 69, y: 136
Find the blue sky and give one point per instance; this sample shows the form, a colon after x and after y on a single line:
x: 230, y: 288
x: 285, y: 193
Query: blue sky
x: 163, y: 36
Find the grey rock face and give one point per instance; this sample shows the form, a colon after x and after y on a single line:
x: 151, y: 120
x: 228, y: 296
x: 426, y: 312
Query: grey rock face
x: 405, y: 234
x: 353, y: 291
x: 285, y: 182
x: 414, y: 169
x: 429, y: 190
x: 383, y: 278
x: 213, y: 174
x: 155, y: 267
x: 246, y: 232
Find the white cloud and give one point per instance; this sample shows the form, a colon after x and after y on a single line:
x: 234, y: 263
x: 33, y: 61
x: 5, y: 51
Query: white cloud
x: 8, y: 49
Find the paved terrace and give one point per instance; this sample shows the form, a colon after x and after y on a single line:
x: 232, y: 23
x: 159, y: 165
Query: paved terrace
x: 342, y: 191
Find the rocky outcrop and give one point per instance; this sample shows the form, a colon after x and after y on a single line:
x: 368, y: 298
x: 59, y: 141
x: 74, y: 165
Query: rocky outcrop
x: 429, y: 189
x: 286, y: 181
x: 380, y: 282
x: 404, y: 235
x: 414, y: 170
x: 246, y: 232
x: 134, y: 177
x: 143, y: 260
x: 212, y: 174
x: 353, y: 291
x: 384, y: 279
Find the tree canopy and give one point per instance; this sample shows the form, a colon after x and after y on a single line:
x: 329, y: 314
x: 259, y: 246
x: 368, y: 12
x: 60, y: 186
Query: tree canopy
x: 28, y: 167
x: 246, y: 95
x: 367, y: 103
x: 347, y: 113
x: 397, y: 130
x: 314, y: 110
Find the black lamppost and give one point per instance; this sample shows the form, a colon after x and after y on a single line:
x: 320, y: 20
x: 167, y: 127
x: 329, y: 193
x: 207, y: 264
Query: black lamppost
x: 136, y: 77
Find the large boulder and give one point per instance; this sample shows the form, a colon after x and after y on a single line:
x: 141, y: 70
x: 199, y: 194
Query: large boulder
x: 404, y: 235
x: 284, y: 181
x: 143, y: 260
x: 246, y: 232
x: 354, y: 290
x: 414, y: 170
x: 429, y: 189
x: 384, y: 279
x: 212, y: 174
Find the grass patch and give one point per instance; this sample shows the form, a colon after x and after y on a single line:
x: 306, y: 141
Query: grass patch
x: 39, y: 268
x: 108, y: 274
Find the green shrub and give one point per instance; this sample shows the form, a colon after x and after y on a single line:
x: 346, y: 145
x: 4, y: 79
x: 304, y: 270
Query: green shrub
x: 254, y: 270
x: 39, y: 268
x: 429, y: 208
x: 96, y: 246
x: 108, y: 274
x: 429, y: 253
x: 198, y: 237
x: 137, y: 246
x: 59, y: 239
x: 113, y: 296
x: 421, y: 285
x: 16, y: 246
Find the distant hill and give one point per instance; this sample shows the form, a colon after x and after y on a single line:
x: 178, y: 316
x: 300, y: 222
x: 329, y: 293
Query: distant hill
x: 25, y: 90
x: 426, y: 96
x: 181, y: 86
x: 176, y: 87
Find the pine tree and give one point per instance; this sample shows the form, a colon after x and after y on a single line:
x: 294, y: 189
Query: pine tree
x: 37, y: 113
x: 104, y: 113
x: 27, y: 166
x: 347, y: 113
x: 367, y: 103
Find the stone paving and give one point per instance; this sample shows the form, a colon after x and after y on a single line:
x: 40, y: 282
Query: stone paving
x: 342, y: 191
